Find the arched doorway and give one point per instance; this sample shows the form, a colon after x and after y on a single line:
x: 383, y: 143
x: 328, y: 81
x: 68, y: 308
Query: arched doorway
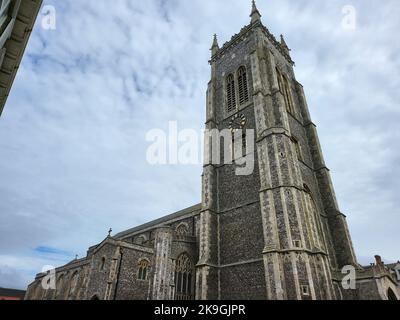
x: 184, y: 271
x: 391, y: 295
x: 95, y: 297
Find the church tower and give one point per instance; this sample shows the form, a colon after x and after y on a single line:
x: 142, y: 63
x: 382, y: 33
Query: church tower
x: 275, y: 232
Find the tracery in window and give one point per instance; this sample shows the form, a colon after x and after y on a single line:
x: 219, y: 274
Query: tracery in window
x: 182, y: 229
x: 143, y: 271
x: 184, y: 278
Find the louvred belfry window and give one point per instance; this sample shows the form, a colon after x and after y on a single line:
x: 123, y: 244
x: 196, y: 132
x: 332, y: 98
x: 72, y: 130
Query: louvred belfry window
x: 230, y: 93
x: 242, y: 82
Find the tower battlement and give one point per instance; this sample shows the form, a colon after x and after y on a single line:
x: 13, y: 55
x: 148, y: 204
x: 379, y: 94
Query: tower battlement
x: 237, y: 38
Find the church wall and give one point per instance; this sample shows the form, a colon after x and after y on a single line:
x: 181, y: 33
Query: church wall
x: 115, y: 280
x: 70, y: 281
x: 73, y: 287
x: 246, y: 282
x: 98, y: 278
x: 35, y: 291
x: 129, y: 286
x: 240, y: 234
x: 368, y: 290
x: 234, y: 190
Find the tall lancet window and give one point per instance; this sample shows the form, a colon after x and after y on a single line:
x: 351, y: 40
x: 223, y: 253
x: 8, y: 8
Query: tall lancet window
x: 284, y: 88
x: 184, y: 278
x: 243, y: 89
x: 143, y: 271
x: 74, y: 284
x: 288, y: 96
x: 230, y: 93
x: 279, y: 77
x: 313, y: 219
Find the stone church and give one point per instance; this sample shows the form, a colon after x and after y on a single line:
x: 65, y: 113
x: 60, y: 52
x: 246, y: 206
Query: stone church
x: 275, y: 234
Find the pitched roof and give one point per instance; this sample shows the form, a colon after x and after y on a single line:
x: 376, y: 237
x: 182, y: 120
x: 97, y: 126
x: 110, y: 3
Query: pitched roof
x: 158, y: 222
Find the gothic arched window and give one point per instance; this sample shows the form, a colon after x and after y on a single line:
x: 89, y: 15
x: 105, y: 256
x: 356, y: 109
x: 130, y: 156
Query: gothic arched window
x: 242, y: 82
x: 184, y: 278
x: 140, y: 240
x: 144, y: 267
x: 74, y: 283
x: 391, y: 295
x: 230, y: 93
x: 284, y: 88
x: 102, y: 263
x: 298, y: 148
x: 59, y: 286
x: 287, y: 95
x: 312, y: 216
x: 279, y: 76
x: 182, y: 229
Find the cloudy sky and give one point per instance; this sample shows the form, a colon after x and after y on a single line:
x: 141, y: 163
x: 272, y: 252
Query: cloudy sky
x: 72, y: 135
